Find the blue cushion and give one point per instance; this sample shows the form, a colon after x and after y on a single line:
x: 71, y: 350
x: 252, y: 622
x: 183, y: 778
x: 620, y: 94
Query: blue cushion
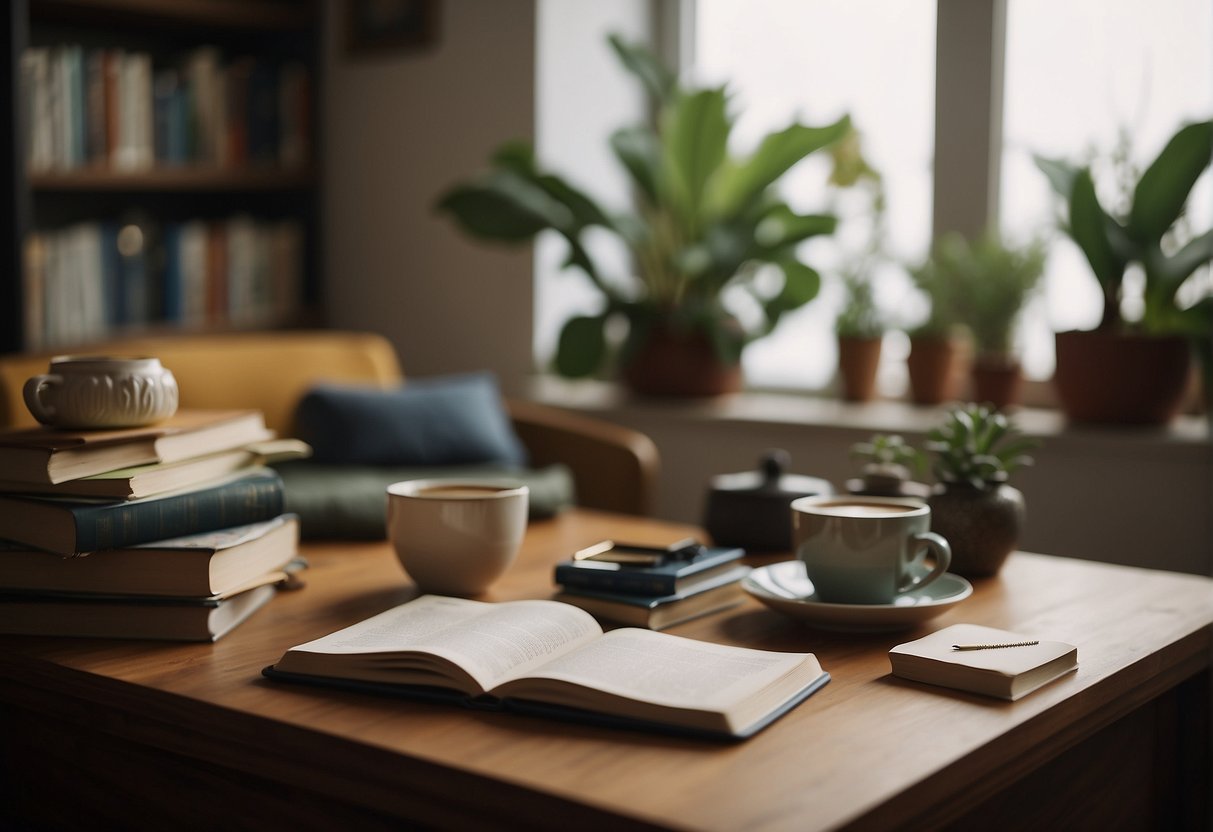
x: 443, y: 420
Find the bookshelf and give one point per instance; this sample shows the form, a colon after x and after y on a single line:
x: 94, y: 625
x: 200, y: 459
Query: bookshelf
x: 161, y: 167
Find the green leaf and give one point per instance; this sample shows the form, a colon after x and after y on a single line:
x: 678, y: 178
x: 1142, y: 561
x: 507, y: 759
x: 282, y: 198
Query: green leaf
x: 695, y: 134
x: 503, y: 208
x: 517, y: 155
x: 585, y: 212
x: 656, y: 78
x: 1089, y: 226
x: 640, y: 152
x: 778, y: 152
x: 1179, y: 266
x: 800, y: 285
x: 1061, y: 174
x: 782, y: 227
x: 582, y: 346
x: 1163, y: 188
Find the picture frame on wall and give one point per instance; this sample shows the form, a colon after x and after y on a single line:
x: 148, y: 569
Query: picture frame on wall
x: 375, y: 27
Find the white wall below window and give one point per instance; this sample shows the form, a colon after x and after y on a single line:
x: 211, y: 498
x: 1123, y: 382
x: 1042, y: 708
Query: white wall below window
x: 1140, y: 498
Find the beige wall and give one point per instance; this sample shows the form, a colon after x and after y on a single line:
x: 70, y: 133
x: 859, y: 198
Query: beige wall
x: 398, y: 130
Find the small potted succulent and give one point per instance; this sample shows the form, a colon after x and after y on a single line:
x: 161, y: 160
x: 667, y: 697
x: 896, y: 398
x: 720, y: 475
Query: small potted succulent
x: 973, y: 506
x: 889, y: 464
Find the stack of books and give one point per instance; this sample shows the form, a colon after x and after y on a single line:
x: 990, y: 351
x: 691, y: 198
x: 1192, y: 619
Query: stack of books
x: 174, y: 531
x: 654, y: 595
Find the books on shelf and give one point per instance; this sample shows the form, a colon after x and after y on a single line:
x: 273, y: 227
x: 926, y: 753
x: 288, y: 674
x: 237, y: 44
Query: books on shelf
x: 48, y: 455
x: 657, y: 612
x: 90, y: 280
x: 551, y: 659
x: 132, y: 617
x: 122, y: 109
x: 69, y: 525
x: 204, y: 565
x: 664, y: 579
x: 1006, y: 672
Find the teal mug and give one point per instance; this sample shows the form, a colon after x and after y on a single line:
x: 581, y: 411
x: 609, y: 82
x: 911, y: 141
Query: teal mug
x: 866, y: 550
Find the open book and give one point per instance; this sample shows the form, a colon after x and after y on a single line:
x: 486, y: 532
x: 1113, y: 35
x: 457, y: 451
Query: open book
x: 548, y: 658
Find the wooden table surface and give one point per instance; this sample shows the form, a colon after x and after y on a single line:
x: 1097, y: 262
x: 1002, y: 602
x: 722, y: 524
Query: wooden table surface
x: 867, y: 749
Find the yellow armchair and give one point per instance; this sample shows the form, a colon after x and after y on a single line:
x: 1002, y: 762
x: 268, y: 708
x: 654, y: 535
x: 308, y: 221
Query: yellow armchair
x: 614, y: 468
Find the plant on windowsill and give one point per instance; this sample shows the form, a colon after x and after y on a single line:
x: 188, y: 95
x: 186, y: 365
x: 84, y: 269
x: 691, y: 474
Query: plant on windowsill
x: 705, y: 222
x: 973, y: 506
x: 938, y: 345
x: 1149, y: 358
x: 995, y: 279
x: 860, y: 329
x: 889, y: 465
x: 860, y: 325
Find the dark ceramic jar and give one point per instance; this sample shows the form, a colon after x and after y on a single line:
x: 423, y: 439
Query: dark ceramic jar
x: 981, y: 525
x: 753, y: 509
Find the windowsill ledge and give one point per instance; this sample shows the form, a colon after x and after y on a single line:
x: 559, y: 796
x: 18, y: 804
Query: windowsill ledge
x: 610, y: 401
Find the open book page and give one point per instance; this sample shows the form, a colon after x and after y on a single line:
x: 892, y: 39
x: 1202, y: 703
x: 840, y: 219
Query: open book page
x: 489, y: 642
x: 666, y: 671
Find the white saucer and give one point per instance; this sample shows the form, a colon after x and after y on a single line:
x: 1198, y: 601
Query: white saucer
x: 784, y: 587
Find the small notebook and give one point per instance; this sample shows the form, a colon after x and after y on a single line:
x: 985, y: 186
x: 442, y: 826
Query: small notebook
x: 1003, y: 672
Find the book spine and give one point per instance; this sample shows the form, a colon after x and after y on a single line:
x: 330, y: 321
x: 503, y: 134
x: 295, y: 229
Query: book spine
x: 632, y: 581
x: 223, y: 506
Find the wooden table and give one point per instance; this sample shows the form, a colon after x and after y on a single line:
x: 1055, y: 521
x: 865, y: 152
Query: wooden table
x: 190, y: 736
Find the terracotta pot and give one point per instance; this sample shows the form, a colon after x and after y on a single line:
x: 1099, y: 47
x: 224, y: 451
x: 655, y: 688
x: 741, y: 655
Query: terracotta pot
x: 1116, y: 378
x: 996, y: 382
x: 674, y: 362
x: 858, y: 359
x: 933, y: 365
x: 981, y: 525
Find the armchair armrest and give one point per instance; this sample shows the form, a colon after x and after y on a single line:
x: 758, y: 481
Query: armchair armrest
x: 614, y: 468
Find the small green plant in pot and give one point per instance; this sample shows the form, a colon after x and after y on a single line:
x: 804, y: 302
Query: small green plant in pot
x: 973, y: 506
x: 937, y: 344
x: 704, y: 221
x: 999, y: 278
x: 1150, y: 355
x: 889, y: 464
x: 860, y: 329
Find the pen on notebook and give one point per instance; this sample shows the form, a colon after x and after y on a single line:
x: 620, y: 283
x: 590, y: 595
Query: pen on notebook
x: 994, y: 646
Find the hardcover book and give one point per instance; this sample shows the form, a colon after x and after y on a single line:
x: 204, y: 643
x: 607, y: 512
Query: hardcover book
x: 551, y: 659
x: 657, y: 612
x: 664, y: 579
x: 200, y: 565
x: 162, y: 619
x: 140, y: 481
x: 983, y: 660
x: 71, y: 526
x: 48, y: 455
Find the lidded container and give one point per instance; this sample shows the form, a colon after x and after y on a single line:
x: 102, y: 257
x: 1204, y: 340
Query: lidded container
x: 752, y: 509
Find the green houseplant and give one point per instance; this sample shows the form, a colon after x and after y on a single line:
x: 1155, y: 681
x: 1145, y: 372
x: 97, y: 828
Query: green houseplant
x: 991, y: 282
x: 1150, y: 355
x: 860, y: 329
x: 888, y: 466
x: 975, y: 451
x: 937, y: 344
x: 704, y: 221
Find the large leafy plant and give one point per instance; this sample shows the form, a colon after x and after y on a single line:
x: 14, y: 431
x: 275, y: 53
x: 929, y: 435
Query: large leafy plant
x: 704, y: 220
x: 1143, y: 232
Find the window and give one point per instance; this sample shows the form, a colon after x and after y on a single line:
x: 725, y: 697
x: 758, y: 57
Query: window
x: 1075, y: 75
x: 1079, y: 76
x: 873, y: 59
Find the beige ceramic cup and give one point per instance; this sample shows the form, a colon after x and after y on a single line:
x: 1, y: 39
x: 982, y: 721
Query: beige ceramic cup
x: 86, y: 391
x: 456, y: 537
x: 866, y: 550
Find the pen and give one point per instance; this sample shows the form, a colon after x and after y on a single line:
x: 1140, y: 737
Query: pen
x: 994, y: 646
